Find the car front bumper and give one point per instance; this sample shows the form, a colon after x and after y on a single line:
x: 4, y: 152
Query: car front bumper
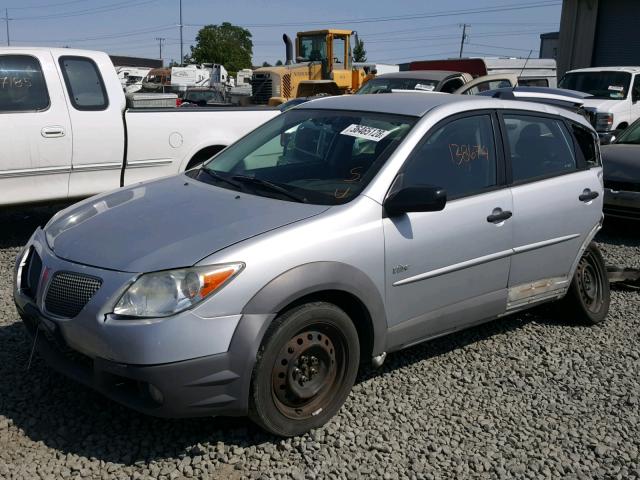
x: 621, y: 204
x: 179, y: 366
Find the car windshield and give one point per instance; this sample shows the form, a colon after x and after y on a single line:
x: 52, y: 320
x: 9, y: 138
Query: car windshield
x: 605, y: 85
x: 386, y: 85
x: 316, y: 156
x: 631, y: 135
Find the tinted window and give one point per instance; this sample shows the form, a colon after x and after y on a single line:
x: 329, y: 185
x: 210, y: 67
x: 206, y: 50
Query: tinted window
x: 459, y: 157
x: 486, y: 86
x: 84, y: 83
x: 586, y: 141
x: 387, y: 85
x: 533, y: 82
x: 22, y: 85
x: 322, y: 156
x: 538, y: 146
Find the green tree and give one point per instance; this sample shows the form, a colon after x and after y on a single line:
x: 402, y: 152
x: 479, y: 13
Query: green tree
x: 359, y: 53
x: 266, y: 64
x: 226, y: 44
x: 279, y: 63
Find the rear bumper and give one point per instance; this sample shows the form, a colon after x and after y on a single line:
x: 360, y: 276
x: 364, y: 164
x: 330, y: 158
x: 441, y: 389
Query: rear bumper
x: 621, y: 204
x: 212, y: 385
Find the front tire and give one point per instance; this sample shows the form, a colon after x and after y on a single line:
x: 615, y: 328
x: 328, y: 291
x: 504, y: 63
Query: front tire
x: 305, y: 369
x: 588, y: 298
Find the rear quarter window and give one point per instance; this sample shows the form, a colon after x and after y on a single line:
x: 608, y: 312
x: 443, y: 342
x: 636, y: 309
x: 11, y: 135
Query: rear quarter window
x: 22, y: 84
x: 84, y: 83
x: 587, y: 145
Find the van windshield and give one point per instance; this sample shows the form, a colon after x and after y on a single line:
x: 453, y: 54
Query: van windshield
x: 314, y: 156
x: 604, y: 85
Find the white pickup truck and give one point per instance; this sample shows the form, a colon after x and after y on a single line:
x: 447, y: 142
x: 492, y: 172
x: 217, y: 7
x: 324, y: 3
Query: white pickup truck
x: 615, y: 95
x: 66, y: 132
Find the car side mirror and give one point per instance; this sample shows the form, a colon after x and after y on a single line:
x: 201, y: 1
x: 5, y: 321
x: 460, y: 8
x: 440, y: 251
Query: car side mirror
x: 285, y: 138
x: 418, y: 198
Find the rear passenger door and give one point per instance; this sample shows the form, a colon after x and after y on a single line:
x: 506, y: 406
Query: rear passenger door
x: 447, y: 269
x: 557, y: 201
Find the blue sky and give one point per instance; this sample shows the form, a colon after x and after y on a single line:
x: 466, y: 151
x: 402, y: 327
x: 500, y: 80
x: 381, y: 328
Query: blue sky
x: 393, y: 31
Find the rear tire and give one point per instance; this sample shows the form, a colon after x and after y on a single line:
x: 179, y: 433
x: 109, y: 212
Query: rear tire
x: 588, y: 298
x: 305, y: 369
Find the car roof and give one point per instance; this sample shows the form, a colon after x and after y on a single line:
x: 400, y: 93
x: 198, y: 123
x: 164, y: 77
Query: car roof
x: 437, y: 75
x: 413, y: 104
x: 607, y: 69
x: 418, y: 104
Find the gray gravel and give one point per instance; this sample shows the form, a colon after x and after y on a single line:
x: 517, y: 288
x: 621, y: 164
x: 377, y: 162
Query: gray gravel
x: 524, y: 397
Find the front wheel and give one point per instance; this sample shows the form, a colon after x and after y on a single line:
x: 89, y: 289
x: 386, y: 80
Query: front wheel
x: 305, y: 369
x: 589, y: 296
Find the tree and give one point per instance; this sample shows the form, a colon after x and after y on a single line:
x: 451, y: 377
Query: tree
x: 359, y: 53
x: 226, y: 44
x: 279, y: 63
x: 266, y: 64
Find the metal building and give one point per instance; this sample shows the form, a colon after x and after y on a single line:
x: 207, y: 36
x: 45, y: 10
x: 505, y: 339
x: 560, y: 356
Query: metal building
x: 597, y: 33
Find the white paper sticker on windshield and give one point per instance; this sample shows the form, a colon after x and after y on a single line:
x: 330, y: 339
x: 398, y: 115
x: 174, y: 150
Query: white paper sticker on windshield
x: 368, y: 133
x: 615, y: 88
x: 422, y: 86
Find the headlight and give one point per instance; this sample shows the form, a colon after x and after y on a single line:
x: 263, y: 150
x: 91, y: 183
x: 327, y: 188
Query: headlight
x: 161, y: 294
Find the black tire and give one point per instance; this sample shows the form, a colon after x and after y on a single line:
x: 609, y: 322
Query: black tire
x: 588, y: 298
x: 305, y: 369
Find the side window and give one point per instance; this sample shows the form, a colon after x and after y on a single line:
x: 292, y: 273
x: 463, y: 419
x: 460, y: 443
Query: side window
x: 587, y: 145
x: 533, y: 82
x: 538, y: 146
x: 486, y: 86
x: 22, y: 84
x: 635, y: 92
x: 459, y: 157
x: 84, y: 83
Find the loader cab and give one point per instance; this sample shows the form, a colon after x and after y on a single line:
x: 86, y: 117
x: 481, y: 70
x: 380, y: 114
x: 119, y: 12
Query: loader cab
x: 331, y: 49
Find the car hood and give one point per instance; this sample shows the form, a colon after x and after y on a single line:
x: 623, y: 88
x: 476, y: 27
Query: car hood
x: 621, y: 162
x: 602, y: 105
x: 168, y: 223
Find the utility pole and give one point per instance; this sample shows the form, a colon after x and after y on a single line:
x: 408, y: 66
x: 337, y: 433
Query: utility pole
x: 160, y: 42
x: 181, y: 43
x: 6, y: 19
x: 464, y: 37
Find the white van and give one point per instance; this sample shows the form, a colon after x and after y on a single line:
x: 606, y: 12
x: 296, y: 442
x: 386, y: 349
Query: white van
x: 614, y: 91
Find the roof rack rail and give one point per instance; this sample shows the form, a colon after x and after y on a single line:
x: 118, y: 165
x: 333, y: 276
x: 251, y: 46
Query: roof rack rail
x: 557, y: 97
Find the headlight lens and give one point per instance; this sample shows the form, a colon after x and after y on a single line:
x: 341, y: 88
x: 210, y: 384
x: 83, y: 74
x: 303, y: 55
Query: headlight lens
x: 161, y: 294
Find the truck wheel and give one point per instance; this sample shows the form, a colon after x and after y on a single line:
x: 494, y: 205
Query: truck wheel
x: 305, y: 369
x: 588, y: 297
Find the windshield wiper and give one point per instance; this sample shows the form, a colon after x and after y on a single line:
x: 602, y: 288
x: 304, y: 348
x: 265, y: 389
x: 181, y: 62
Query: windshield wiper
x: 269, y: 186
x: 221, y: 178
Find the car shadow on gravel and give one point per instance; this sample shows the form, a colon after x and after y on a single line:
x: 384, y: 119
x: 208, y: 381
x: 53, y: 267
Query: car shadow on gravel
x: 17, y: 224
x: 73, y: 419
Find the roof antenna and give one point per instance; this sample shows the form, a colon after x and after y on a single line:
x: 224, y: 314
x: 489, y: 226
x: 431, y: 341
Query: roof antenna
x: 522, y: 71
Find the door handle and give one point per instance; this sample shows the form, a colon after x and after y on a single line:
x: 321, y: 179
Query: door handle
x: 52, y: 132
x: 588, y: 195
x: 498, y: 215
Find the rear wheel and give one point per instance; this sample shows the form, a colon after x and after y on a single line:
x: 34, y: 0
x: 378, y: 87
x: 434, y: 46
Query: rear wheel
x: 306, y: 367
x: 588, y: 297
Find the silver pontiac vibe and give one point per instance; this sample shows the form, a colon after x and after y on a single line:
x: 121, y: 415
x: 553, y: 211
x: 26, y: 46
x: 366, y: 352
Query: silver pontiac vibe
x: 339, y: 231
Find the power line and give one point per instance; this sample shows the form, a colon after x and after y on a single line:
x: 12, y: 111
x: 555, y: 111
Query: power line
x: 90, y: 11
x: 131, y: 33
x: 160, y: 40
x: 48, y: 5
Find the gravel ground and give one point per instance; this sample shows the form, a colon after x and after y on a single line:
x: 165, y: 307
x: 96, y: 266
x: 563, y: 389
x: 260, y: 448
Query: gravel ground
x: 527, y: 397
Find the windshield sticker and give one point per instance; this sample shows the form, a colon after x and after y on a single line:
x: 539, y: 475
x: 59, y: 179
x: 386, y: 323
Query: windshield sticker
x: 464, y: 154
x: 616, y: 88
x: 426, y: 88
x: 368, y: 133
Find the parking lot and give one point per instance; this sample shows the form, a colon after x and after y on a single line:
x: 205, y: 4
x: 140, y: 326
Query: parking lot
x: 528, y: 396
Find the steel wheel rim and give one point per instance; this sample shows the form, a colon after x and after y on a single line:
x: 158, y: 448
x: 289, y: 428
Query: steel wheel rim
x: 590, y: 282
x: 308, y: 371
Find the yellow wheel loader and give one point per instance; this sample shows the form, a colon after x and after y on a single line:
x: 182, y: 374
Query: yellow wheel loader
x: 323, y: 66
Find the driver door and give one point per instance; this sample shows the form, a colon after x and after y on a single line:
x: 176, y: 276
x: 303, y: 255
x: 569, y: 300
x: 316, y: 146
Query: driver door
x: 448, y: 269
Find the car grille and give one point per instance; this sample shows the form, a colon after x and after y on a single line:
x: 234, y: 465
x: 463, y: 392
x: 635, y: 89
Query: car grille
x: 31, y: 274
x: 69, y: 292
x: 622, y: 186
x: 262, y: 89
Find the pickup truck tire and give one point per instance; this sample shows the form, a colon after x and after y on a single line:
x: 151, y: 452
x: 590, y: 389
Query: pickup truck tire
x: 305, y: 369
x: 588, y: 298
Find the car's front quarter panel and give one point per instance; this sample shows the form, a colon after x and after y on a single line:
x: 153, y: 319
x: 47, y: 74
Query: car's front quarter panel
x: 341, y: 249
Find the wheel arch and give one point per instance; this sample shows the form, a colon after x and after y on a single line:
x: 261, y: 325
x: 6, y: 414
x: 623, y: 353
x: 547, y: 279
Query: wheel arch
x: 340, y: 284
